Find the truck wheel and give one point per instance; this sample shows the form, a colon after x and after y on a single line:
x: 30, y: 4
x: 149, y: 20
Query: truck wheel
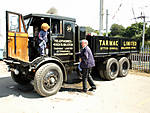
x: 19, y: 78
x: 112, y: 69
x: 101, y: 71
x: 124, y: 66
x: 48, y: 79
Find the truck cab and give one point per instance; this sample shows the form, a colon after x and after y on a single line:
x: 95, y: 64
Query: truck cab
x: 22, y: 50
x: 23, y: 37
x: 61, y: 36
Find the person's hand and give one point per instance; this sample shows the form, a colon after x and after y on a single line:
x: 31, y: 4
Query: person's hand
x: 80, y: 60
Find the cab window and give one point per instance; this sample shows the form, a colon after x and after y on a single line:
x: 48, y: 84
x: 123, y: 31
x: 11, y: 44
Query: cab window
x: 13, y: 23
x: 26, y: 22
x: 56, y: 27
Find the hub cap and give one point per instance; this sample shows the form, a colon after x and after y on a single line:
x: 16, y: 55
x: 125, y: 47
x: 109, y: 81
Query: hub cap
x: 50, y: 80
x: 113, y: 69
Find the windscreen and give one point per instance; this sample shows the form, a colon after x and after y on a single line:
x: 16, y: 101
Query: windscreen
x: 27, y: 22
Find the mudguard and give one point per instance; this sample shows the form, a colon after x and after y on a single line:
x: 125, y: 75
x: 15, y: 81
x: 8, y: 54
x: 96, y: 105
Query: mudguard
x: 39, y: 61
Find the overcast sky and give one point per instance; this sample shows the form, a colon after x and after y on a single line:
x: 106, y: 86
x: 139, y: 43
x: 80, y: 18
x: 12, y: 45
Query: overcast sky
x: 86, y: 12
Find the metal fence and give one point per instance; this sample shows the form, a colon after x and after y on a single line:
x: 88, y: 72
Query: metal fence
x: 141, y: 61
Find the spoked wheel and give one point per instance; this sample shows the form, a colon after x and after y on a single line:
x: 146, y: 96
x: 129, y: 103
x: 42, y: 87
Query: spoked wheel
x: 48, y: 79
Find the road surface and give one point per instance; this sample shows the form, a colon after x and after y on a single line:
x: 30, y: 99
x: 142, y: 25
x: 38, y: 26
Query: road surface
x: 129, y: 94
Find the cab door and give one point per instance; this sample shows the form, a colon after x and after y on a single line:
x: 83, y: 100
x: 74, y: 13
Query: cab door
x: 17, y: 37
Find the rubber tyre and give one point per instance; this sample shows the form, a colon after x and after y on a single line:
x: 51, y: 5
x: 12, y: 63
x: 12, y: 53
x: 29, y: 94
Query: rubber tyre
x: 19, y: 79
x: 40, y: 75
x: 112, y: 69
x: 124, y: 65
x: 101, y: 71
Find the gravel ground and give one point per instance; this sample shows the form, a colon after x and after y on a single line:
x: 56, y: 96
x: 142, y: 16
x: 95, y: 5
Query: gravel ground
x: 123, y: 95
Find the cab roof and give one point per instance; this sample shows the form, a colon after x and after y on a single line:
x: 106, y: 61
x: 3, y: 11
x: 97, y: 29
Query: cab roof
x: 50, y: 16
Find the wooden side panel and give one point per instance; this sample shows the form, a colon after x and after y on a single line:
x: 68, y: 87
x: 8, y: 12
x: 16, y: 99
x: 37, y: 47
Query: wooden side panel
x: 18, y: 46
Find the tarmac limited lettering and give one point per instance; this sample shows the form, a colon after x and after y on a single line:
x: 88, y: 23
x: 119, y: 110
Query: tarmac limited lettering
x: 125, y: 47
x: 108, y: 42
x: 113, y: 48
x: 129, y: 43
x: 106, y: 48
x: 103, y: 48
x: 113, y: 43
x: 128, y: 48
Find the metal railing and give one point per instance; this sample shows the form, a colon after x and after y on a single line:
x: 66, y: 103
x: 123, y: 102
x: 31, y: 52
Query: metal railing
x: 141, y: 61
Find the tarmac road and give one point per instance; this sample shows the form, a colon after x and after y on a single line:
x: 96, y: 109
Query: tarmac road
x: 129, y: 94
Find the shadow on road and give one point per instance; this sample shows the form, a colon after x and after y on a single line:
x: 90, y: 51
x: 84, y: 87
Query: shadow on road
x: 9, y: 87
x: 70, y: 89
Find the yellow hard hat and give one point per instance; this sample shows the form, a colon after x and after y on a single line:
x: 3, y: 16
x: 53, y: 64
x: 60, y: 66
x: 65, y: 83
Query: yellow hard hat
x: 45, y: 26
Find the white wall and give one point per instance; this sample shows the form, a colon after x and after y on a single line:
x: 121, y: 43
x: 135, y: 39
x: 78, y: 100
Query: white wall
x: 2, y: 28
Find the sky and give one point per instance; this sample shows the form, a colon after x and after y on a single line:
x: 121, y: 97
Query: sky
x: 86, y: 12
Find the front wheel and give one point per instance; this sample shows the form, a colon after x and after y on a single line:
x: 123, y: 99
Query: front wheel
x: 48, y: 79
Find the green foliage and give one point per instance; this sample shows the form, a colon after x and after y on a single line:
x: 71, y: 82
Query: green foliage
x: 96, y: 31
x: 147, y: 43
x: 134, y: 31
x: 147, y: 34
x: 117, y: 30
x: 89, y: 30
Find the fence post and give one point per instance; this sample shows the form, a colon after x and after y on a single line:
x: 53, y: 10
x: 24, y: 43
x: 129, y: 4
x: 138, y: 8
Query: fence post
x: 141, y: 60
x: 146, y: 58
x: 149, y: 57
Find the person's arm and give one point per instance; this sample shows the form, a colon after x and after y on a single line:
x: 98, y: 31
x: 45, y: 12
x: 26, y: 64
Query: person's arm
x: 40, y: 35
x: 86, y: 54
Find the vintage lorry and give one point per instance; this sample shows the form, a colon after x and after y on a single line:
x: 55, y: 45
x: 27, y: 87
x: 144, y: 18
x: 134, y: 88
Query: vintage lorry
x: 47, y: 73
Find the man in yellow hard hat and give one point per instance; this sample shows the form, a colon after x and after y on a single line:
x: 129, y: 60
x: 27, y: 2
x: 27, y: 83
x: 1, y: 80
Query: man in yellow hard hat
x: 43, y: 38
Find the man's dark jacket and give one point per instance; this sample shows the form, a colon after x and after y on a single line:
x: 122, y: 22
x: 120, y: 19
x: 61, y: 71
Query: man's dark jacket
x: 87, y: 60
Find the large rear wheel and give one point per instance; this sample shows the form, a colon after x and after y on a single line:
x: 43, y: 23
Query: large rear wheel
x: 101, y: 68
x: 48, y: 79
x: 112, y: 69
x: 124, y: 66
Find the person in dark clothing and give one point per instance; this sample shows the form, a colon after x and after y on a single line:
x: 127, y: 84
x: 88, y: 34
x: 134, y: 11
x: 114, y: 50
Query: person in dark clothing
x: 86, y: 63
x: 43, y: 38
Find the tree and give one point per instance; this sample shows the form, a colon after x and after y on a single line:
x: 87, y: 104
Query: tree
x: 134, y: 31
x: 147, y: 34
x: 96, y: 31
x: 52, y: 10
x: 89, y: 30
x: 117, y: 30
